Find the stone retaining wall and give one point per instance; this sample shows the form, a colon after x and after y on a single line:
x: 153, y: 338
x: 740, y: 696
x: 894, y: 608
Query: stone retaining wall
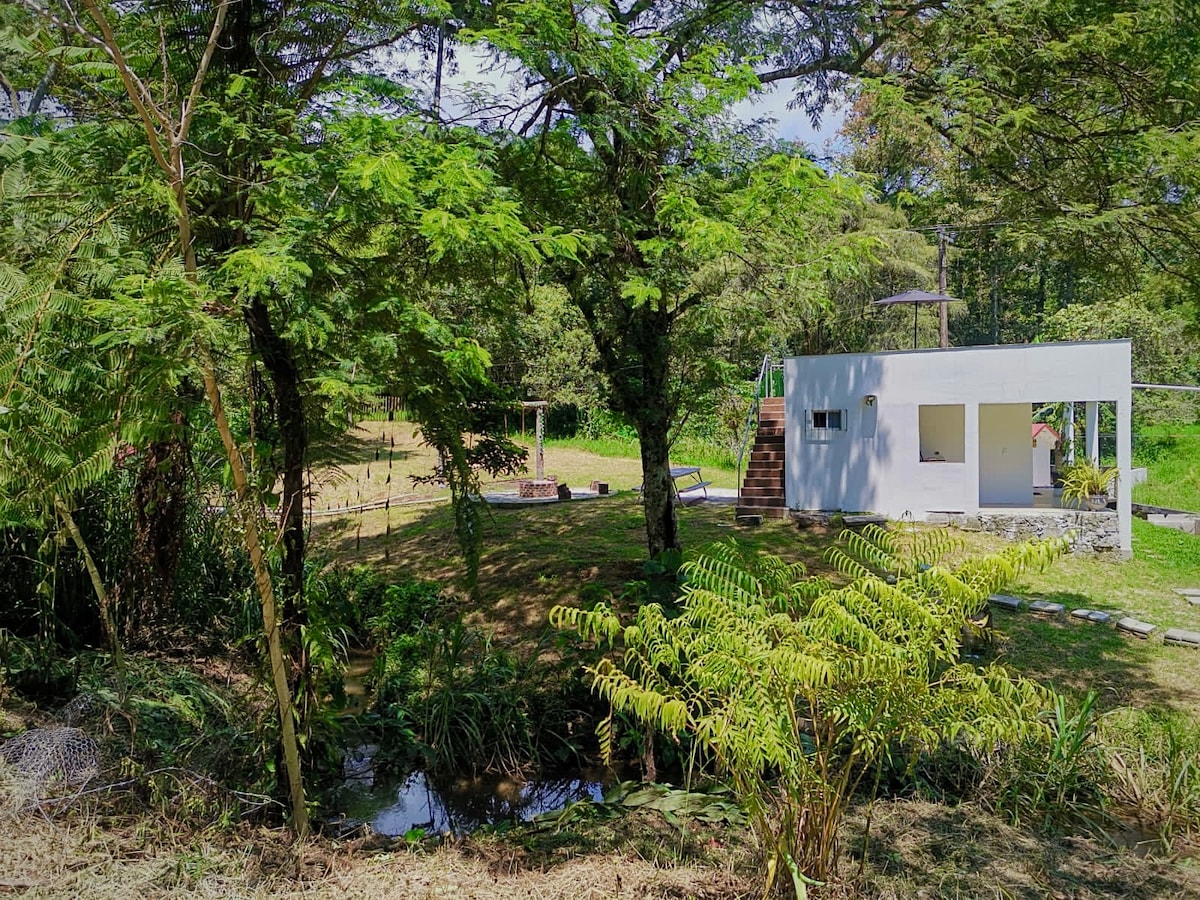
x: 1095, y: 532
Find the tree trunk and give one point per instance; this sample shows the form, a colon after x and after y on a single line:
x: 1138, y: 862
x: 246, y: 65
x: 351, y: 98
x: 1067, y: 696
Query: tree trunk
x: 146, y: 591
x: 280, y: 363
x: 648, y: 404
x: 662, y: 526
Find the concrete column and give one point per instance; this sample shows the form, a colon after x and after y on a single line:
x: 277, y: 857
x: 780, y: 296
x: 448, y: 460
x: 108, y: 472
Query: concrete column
x: 971, y: 458
x: 1069, y: 434
x: 1125, y: 479
x: 1091, y: 431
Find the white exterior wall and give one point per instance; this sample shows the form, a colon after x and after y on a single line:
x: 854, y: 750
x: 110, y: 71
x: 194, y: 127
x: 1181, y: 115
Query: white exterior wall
x: 875, y: 463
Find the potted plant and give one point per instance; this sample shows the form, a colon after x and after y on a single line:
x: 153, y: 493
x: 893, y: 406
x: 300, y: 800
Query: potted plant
x: 1085, y: 484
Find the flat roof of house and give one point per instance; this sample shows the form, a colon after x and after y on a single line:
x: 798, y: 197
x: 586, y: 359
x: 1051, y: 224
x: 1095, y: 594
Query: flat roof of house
x: 1031, y: 346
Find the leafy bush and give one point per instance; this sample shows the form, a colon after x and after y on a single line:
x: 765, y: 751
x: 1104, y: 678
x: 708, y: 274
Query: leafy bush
x: 797, y: 687
x: 478, y: 706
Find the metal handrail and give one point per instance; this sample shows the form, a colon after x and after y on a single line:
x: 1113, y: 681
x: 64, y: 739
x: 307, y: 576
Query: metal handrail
x: 766, y: 374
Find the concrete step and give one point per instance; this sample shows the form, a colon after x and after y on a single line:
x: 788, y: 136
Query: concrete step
x: 765, y: 502
x: 766, y: 496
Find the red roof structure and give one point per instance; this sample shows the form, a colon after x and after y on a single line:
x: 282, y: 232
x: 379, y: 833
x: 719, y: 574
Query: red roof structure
x: 1039, y: 427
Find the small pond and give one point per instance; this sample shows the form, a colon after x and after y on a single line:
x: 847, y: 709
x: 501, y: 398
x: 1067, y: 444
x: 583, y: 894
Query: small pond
x: 456, y: 805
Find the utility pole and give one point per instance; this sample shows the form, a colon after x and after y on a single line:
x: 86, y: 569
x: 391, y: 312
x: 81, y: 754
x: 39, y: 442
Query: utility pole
x: 943, y: 308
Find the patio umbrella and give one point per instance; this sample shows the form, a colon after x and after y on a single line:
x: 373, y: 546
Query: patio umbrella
x: 916, y: 298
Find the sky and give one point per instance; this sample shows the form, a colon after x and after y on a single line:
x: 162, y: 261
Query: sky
x: 471, y: 67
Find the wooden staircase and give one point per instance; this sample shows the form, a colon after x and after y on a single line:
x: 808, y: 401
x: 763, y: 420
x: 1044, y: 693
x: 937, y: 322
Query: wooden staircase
x: 762, y: 489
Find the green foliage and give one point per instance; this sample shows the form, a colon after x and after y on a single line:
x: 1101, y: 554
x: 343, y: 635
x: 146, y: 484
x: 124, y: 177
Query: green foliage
x: 171, y: 717
x: 1163, y: 345
x: 476, y: 706
x: 1171, y: 455
x: 796, y: 688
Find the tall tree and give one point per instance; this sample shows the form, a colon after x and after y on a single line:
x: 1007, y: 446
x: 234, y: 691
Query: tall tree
x: 625, y: 132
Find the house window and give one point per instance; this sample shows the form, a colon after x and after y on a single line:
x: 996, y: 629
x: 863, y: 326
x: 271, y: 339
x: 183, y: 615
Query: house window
x: 825, y: 424
x: 827, y: 418
x: 942, y: 429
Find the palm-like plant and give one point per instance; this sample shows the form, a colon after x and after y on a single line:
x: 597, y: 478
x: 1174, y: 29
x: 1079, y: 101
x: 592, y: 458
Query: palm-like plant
x: 796, y: 687
x: 1086, y: 480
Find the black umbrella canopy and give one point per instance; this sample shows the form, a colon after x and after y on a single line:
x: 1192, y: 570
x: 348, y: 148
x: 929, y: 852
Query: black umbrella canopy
x: 916, y: 298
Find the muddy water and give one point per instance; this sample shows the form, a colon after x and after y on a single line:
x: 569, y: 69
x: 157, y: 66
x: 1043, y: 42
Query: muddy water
x: 395, y: 807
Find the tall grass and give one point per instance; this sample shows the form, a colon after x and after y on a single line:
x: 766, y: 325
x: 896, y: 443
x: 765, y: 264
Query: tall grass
x: 1154, y: 757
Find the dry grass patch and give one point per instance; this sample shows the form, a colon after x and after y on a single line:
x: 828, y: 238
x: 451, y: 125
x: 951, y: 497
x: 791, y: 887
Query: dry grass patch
x: 77, y: 857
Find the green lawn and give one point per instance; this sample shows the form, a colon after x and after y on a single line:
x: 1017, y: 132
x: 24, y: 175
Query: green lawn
x: 1076, y: 656
x: 566, y: 553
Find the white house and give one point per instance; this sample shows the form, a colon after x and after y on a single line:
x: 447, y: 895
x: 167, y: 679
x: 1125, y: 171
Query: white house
x: 942, y: 431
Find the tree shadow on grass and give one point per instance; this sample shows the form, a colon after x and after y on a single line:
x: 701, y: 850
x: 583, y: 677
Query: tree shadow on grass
x: 1075, y: 656
x: 536, y: 557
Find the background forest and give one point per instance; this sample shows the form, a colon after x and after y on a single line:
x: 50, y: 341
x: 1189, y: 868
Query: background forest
x: 231, y: 229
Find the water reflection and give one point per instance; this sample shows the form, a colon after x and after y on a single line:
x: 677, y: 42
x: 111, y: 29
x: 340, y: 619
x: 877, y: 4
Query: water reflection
x: 454, y: 805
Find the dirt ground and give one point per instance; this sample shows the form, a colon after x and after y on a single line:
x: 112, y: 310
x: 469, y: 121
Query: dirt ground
x: 916, y: 850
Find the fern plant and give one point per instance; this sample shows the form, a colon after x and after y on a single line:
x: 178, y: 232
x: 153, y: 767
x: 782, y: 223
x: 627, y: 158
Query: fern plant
x: 796, y: 686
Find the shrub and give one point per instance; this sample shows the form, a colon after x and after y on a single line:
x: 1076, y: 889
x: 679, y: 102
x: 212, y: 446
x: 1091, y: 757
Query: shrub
x: 797, y: 688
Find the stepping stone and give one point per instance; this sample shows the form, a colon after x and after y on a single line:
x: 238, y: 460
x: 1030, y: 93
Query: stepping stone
x: 1046, y: 608
x: 1081, y: 614
x: 1004, y: 601
x: 857, y: 521
x: 1099, y: 617
x: 1191, y: 595
x: 1182, y: 638
x: 1131, y: 625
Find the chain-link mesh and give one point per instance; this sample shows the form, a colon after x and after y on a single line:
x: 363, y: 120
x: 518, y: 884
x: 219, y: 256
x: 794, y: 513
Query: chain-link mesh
x: 52, y: 760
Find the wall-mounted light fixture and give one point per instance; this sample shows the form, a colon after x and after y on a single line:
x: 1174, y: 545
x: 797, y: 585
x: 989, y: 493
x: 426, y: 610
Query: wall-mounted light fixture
x: 869, y: 399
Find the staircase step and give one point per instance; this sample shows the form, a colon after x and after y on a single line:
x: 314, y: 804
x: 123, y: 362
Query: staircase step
x: 773, y: 435
x: 767, y: 481
x: 767, y: 502
x: 767, y: 456
x: 762, y: 493
x: 772, y: 402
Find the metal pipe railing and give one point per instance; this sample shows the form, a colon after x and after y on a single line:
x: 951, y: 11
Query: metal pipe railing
x: 765, y: 373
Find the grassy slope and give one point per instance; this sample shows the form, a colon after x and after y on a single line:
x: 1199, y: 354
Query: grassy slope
x: 1171, y: 453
